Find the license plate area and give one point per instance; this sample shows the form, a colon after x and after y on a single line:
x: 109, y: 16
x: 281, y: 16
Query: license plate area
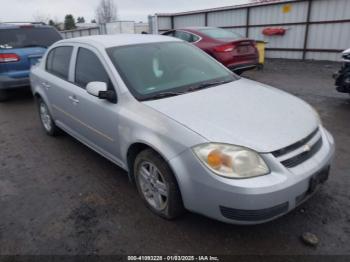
x: 242, y: 49
x: 34, y: 61
x: 318, y: 179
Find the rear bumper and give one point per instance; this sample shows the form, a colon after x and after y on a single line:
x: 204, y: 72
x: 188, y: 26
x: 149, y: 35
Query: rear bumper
x: 12, y: 83
x: 242, y: 67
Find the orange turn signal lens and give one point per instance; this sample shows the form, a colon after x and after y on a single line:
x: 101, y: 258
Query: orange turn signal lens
x: 214, y: 159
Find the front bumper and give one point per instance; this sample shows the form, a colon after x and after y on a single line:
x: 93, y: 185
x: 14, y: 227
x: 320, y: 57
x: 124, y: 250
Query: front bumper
x: 254, y: 200
x: 12, y: 83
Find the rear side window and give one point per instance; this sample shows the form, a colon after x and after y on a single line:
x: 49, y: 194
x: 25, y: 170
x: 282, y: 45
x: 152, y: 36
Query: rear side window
x: 188, y: 37
x: 28, y: 37
x: 58, y: 61
x: 89, y: 69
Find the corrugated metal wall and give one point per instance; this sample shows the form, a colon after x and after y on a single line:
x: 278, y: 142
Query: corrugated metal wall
x: 80, y: 32
x: 316, y: 29
x: 274, y: 14
x: 164, y: 23
x: 228, y: 18
x: 189, y: 20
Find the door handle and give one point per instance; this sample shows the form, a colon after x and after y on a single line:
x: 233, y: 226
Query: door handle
x: 46, y: 85
x: 74, y: 99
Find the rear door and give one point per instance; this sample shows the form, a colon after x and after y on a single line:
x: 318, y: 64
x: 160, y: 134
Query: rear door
x: 57, y: 85
x: 25, y: 45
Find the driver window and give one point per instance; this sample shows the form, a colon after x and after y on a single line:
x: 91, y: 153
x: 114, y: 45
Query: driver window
x: 89, y: 69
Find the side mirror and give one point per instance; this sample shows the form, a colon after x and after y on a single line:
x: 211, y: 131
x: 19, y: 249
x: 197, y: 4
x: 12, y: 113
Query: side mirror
x: 94, y: 88
x: 100, y: 90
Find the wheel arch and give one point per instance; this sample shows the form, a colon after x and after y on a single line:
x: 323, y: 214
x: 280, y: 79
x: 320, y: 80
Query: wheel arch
x: 41, y: 95
x: 132, y: 152
x: 136, y: 148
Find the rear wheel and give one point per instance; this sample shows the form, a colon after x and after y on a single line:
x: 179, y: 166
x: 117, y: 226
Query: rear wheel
x: 46, y: 119
x: 157, y: 185
x: 4, y: 96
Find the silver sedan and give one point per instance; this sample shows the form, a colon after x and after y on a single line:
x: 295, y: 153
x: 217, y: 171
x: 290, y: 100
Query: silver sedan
x: 191, y: 134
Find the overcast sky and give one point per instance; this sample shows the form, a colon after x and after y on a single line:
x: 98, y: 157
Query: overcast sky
x: 138, y: 10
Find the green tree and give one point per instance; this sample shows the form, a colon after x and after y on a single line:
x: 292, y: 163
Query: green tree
x: 93, y: 21
x: 69, y: 22
x: 81, y: 19
x: 51, y: 22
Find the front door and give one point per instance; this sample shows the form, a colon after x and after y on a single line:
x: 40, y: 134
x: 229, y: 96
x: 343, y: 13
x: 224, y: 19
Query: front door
x: 96, y: 119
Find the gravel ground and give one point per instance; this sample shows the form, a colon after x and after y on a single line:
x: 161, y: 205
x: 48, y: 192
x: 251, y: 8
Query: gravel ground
x: 59, y: 197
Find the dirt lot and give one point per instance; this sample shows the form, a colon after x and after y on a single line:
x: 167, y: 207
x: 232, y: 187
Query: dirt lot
x: 59, y: 197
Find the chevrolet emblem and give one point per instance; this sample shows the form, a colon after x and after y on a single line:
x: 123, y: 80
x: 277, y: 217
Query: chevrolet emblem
x: 307, y: 148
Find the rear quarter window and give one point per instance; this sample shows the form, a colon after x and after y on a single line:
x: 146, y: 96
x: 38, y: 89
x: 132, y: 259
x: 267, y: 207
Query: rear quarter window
x: 58, y: 61
x: 188, y: 37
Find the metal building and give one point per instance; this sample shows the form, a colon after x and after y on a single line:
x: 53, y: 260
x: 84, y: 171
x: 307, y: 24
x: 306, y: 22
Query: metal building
x: 315, y: 29
x: 117, y: 27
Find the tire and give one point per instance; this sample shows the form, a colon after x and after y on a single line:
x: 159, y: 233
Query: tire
x: 164, y: 183
x: 4, y: 96
x: 46, y: 120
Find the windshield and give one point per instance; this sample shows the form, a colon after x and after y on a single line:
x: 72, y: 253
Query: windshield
x: 167, y: 68
x: 220, y: 33
x: 28, y: 37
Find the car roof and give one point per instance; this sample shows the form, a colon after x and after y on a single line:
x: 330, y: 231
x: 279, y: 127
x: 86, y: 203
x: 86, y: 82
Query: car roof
x: 107, y: 41
x: 196, y: 28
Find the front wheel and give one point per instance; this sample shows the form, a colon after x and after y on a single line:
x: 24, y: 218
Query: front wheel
x: 46, y: 119
x: 157, y: 185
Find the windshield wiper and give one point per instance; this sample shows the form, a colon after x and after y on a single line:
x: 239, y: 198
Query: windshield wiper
x: 163, y: 95
x: 191, y: 89
x: 207, y: 84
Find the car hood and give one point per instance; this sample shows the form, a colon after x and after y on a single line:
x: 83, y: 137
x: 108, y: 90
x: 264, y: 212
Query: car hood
x: 243, y: 112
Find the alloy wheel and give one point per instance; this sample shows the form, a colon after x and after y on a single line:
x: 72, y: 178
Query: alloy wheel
x: 45, y: 117
x: 153, y: 185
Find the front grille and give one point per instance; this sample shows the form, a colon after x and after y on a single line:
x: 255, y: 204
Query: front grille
x: 294, y: 161
x: 311, y: 148
x: 295, y: 146
x: 254, y: 215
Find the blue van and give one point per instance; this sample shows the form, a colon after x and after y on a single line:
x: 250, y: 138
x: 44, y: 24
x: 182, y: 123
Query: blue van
x: 21, y: 46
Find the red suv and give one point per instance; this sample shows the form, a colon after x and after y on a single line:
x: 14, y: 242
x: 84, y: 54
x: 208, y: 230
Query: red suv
x: 231, y: 49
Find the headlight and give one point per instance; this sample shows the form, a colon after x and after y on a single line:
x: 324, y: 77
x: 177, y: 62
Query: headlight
x: 231, y: 161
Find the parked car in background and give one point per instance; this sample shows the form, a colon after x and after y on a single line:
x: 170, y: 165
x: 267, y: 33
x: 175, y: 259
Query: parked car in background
x: 21, y: 46
x: 190, y: 133
x: 229, y: 48
x: 342, y: 78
